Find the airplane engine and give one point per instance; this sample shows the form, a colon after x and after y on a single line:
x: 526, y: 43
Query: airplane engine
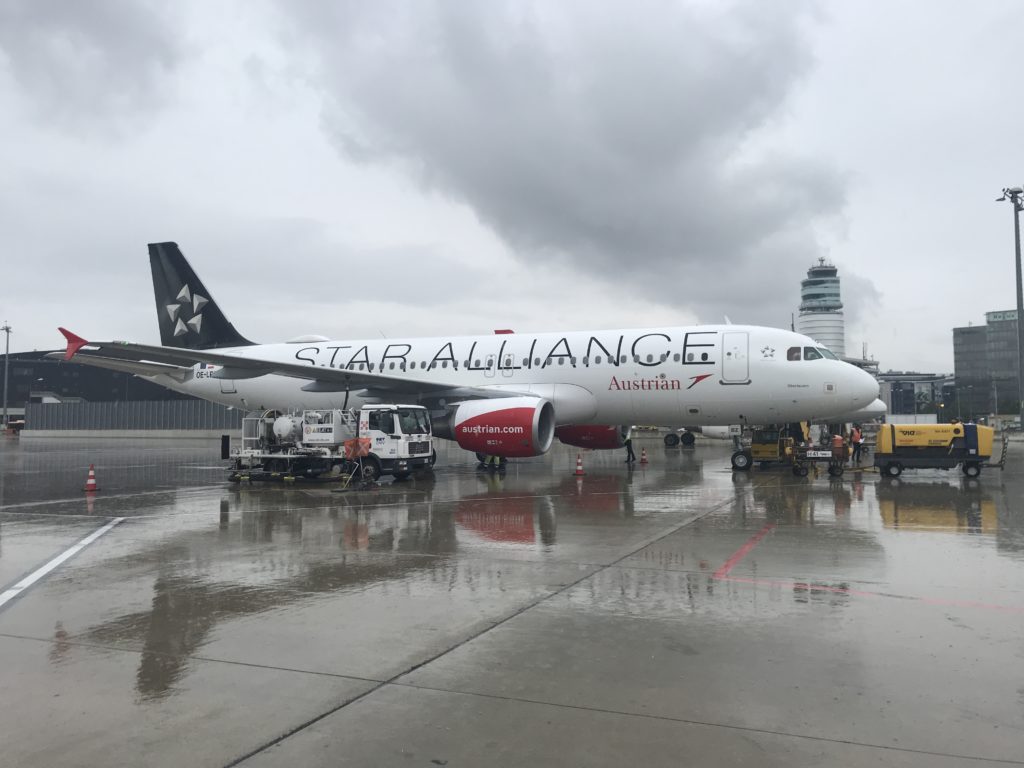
x: 593, y: 436
x: 509, y: 426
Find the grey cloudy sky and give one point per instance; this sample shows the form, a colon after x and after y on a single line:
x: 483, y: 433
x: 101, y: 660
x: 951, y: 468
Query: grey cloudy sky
x: 358, y: 169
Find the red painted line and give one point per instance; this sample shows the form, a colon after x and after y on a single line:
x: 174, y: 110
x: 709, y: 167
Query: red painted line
x: 742, y: 552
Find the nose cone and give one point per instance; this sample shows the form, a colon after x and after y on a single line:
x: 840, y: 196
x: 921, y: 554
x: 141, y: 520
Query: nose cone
x: 863, y: 389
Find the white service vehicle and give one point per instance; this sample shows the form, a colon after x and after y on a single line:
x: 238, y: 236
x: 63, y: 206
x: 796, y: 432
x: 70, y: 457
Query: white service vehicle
x: 376, y: 440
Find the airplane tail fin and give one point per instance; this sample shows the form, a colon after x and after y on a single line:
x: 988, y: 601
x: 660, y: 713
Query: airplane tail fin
x: 189, y: 317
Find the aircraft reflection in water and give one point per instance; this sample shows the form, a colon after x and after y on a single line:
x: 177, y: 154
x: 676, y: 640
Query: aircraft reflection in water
x: 275, y: 548
x: 964, y: 507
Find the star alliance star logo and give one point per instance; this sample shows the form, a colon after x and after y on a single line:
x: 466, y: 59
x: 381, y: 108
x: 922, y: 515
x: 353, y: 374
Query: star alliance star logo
x: 187, y: 300
x: 768, y: 352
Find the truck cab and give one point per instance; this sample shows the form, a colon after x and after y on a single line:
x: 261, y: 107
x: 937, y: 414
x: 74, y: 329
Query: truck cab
x: 400, y: 439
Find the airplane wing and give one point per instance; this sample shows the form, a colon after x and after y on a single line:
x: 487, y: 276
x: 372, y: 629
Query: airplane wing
x: 150, y: 360
x: 134, y: 367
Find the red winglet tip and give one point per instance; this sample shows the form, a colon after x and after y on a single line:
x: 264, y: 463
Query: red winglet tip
x: 75, y: 343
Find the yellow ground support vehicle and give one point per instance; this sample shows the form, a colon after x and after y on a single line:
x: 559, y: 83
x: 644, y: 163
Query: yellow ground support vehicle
x: 933, y: 446
x: 791, y: 445
x: 766, y: 446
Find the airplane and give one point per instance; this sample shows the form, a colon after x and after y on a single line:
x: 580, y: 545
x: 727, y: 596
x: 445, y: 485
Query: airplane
x: 506, y: 394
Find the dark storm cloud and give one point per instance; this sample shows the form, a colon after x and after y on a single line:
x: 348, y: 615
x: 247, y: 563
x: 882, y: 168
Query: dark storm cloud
x: 78, y: 62
x: 624, y: 140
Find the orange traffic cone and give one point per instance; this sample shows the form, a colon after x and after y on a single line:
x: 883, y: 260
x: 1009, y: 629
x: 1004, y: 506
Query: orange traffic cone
x: 643, y: 455
x: 579, y: 465
x: 90, y: 481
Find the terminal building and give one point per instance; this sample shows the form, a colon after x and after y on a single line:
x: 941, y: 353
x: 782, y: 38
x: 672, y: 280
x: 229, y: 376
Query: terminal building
x: 926, y: 397
x: 985, y: 365
x: 52, y: 396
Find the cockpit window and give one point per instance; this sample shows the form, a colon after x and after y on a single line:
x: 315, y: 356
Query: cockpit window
x: 810, y: 353
x: 793, y: 353
x: 827, y: 353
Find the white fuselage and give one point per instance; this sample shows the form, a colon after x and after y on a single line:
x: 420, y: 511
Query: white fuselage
x: 713, y: 375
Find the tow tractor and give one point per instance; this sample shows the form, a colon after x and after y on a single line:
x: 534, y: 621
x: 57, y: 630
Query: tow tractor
x: 334, y: 444
x: 770, y: 445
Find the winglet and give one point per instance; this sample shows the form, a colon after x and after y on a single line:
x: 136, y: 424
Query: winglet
x: 75, y: 343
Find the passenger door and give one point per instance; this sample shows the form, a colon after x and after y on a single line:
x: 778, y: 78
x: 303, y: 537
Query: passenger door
x: 735, y: 362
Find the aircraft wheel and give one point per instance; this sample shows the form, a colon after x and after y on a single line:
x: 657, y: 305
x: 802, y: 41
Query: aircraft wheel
x: 972, y: 469
x: 687, y: 439
x: 671, y: 440
x: 741, y: 461
x: 892, y: 469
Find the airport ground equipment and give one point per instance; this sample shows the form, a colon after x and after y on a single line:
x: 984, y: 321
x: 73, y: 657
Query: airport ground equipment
x: 767, y: 446
x: 775, y: 445
x: 933, y: 446
x: 335, y: 444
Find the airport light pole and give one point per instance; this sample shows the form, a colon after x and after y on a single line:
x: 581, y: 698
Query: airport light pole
x: 1015, y: 195
x: 6, y: 328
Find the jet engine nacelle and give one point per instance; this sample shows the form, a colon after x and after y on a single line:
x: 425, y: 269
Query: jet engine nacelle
x: 593, y: 436
x: 508, y: 426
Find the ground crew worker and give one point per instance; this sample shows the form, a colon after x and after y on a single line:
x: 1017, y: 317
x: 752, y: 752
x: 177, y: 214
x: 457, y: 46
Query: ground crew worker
x: 857, y: 438
x: 630, y: 456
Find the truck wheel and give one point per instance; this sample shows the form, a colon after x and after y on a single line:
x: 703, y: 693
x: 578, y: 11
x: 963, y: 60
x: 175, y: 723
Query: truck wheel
x: 402, y: 475
x: 836, y: 470
x: 371, y: 469
x: 972, y: 469
x: 892, y: 469
x: 433, y: 458
x: 687, y: 439
x: 671, y: 440
x: 800, y: 470
x: 741, y: 461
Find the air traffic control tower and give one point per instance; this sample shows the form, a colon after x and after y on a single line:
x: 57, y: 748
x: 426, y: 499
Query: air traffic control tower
x: 821, y: 309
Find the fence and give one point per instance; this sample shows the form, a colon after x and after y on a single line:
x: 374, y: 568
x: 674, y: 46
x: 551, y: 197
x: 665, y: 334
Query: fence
x: 133, y: 415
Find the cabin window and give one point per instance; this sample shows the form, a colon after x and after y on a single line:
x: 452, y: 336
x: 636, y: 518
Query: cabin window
x: 793, y: 353
x: 526, y: 361
x: 597, y: 359
x: 810, y: 353
x: 572, y: 360
x: 689, y: 357
x: 561, y: 361
x: 650, y: 358
x: 476, y: 363
x: 676, y: 357
x: 536, y: 361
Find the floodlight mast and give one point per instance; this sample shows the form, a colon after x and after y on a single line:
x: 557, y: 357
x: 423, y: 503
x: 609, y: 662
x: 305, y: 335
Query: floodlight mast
x: 1016, y: 196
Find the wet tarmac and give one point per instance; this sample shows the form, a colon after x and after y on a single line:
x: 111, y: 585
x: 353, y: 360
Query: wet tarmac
x: 673, y: 614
